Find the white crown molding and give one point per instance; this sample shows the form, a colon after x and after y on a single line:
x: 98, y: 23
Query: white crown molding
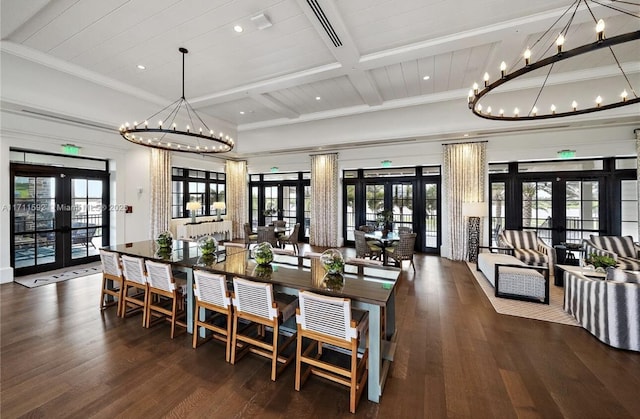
x: 54, y: 63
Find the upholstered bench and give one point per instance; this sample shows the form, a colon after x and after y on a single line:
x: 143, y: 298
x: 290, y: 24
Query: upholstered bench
x: 512, y: 278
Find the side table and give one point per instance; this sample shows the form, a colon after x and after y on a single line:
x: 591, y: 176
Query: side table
x: 564, y: 256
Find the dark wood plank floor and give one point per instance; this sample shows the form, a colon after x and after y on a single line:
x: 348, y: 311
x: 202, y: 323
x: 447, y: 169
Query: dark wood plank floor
x: 456, y: 357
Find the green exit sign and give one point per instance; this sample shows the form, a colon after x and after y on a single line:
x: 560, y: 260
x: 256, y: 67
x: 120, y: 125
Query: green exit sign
x: 70, y: 149
x: 566, y: 154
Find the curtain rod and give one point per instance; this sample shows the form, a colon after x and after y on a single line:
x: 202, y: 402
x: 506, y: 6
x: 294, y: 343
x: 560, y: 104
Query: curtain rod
x: 466, y: 142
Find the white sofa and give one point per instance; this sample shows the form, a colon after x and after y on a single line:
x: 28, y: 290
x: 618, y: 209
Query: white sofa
x: 512, y: 278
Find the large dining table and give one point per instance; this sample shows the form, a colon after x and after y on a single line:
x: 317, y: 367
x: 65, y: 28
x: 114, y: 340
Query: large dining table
x: 370, y: 287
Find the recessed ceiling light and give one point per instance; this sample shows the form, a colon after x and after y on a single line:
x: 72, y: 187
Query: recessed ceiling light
x: 466, y: 135
x: 241, y: 112
x: 238, y: 28
x: 141, y: 67
x: 318, y: 98
x: 426, y: 77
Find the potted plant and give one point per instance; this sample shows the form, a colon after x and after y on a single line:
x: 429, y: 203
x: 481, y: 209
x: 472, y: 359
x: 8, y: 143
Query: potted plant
x: 601, y: 262
x: 164, y: 240
x: 332, y: 261
x: 208, y: 245
x: 263, y: 253
x: 385, y: 220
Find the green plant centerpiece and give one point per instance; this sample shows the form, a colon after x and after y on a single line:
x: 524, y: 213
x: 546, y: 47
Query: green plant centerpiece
x: 263, y: 253
x: 208, y: 245
x: 385, y: 221
x: 332, y: 261
x: 601, y: 262
x: 164, y: 240
x: 263, y: 271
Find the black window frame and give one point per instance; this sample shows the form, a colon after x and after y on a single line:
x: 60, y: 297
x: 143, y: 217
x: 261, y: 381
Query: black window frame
x: 186, y: 176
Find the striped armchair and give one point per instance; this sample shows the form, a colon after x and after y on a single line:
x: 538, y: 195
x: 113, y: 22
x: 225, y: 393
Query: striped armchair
x: 620, y: 248
x: 529, y: 248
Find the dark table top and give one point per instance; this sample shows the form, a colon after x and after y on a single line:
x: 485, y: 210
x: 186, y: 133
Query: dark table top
x: 370, y: 284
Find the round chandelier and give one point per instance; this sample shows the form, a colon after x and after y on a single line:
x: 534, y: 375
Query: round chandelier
x: 549, y: 50
x: 169, y: 136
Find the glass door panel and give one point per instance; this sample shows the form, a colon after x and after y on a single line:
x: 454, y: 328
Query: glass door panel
x: 374, y: 202
x: 537, y: 209
x: 270, y: 204
x: 582, y: 210
x: 498, y: 210
x: 431, y: 215
x: 289, y: 205
x: 34, y: 237
x: 350, y: 205
x: 629, y: 208
x: 86, y: 217
x: 402, y: 200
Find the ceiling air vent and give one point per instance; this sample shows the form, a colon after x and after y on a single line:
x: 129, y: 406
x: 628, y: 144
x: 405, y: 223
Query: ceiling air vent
x: 324, y: 21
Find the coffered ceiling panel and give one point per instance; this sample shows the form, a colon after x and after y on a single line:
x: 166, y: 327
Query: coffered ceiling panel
x: 355, y: 55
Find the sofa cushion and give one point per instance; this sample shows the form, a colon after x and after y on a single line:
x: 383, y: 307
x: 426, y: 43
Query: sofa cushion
x: 531, y: 257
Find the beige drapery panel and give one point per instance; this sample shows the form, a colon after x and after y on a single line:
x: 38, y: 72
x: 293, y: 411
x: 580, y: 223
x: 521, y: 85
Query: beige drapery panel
x: 237, y: 195
x: 324, y: 200
x: 465, y: 172
x: 160, y: 196
x: 637, y: 133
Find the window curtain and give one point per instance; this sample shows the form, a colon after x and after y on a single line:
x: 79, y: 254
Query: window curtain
x: 237, y: 195
x: 637, y: 133
x: 324, y: 200
x: 160, y: 196
x: 465, y: 174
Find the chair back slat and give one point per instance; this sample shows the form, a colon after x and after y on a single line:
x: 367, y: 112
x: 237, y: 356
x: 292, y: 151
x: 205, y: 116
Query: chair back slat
x: 211, y: 288
x: 405, y: 246
x: 110, y: 263
x: 362, y: 248
x: 133, y: 269
x: 327, y: 315
x: 159, y: 276
x: 267, y: 234
x: 254, y: 298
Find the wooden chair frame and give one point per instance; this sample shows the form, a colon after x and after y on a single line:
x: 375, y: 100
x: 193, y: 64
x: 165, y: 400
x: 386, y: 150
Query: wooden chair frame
x: 354, y: 377
x: 223, y: 334
x: 157, y: 305
x: 111, y: 271
x: 133, y: 267
x: 256, y: 344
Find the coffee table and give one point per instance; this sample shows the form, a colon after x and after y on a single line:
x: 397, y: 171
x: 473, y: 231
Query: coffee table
x: 590, y: 273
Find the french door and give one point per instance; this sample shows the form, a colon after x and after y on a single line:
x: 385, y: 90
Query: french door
x: 59, y: 217
x: 288, y: 201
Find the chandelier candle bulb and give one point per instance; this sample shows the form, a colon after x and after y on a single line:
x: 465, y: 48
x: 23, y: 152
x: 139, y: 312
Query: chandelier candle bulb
x: 475, y: 88
x: 486, y: 79
x: 501, y: 112
x: 503, y: 69
x: 598, y: 101
x: 534, y: 111
x: 553, y: 109
x: 560, y: 42
x: 623, y: 95
x: 527, y: 56
x: 600, y: 30
x: 574, y: 105
x: 489, y: 110
x: 516, y: 111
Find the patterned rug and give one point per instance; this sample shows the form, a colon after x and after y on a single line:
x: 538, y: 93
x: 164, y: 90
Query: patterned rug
x: 51, y: 277
x: 549, y: 313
